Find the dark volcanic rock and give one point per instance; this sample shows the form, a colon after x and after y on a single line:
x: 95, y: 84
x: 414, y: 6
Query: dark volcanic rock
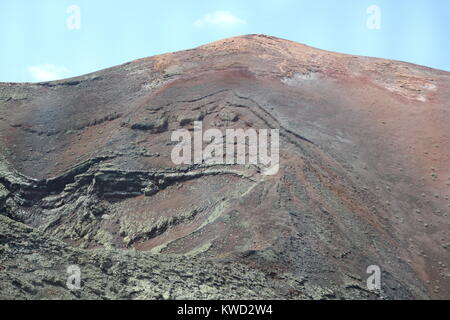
x: 86, y: 178
x: 156, y: 126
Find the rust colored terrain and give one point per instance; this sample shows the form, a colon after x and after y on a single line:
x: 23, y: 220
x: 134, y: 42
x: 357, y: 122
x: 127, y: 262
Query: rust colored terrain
x: 86, y: 178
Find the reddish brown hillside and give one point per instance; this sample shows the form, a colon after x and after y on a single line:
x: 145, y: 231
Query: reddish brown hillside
x: 364, y: 165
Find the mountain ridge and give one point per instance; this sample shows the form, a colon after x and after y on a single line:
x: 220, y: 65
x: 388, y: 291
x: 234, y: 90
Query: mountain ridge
x: 363, y: 176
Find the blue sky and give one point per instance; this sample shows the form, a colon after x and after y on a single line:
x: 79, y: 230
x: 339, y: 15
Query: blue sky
x: 40, y: 39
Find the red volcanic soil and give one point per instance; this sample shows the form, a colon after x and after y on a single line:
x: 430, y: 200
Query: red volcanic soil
x: 364, y: 165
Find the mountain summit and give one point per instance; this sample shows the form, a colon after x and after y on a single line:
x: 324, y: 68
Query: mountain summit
x: 87, y: 178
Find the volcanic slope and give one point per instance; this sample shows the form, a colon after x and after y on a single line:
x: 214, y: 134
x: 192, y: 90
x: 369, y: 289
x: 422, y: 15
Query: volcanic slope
x: 86, y: 178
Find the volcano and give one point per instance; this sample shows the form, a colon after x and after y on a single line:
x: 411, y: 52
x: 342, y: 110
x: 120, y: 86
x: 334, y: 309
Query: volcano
x: 87, y: 179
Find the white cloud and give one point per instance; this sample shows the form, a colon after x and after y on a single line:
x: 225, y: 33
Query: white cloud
x: 224, y: 19
x: 47, y: 72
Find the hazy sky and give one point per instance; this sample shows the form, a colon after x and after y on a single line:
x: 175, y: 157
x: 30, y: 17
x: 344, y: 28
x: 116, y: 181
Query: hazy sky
x: 48, y: 39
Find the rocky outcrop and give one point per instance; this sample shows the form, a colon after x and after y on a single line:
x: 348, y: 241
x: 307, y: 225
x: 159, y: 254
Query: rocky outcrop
x: 33, y: 265
x: 156, y: 126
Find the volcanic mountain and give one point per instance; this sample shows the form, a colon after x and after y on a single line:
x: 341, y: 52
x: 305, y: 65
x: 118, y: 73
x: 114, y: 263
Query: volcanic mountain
x: 87, y: 179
